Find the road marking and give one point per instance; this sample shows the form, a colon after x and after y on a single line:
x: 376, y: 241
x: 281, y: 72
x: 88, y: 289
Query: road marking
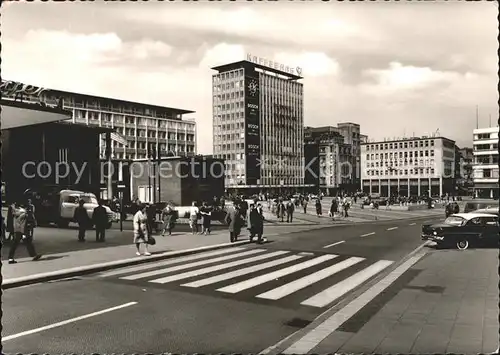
x: 333, y: 293
x: 367, y: 234
x: 412, y: 224
x: 210, y: 269
x: 72, y: 320
x: 392, y: 228
x: 169, y: 262
x: 331, y: 245
x: 190, y: 265
x: 310, y: 340
x: 308, y: 280
x: 244, y: 285
x: 241, y: 272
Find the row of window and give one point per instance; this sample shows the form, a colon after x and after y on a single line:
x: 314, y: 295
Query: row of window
x: 486, y: 174
x: 485, y: 136
x: 382, y: 156
x: 420, y: 171
x: 480, y: 147
x: 400, y: 145
x: 486, y: 159
x: 124, y: 119
x: 401, y: 163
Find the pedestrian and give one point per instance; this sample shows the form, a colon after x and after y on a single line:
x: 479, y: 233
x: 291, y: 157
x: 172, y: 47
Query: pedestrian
x: 10, y: 220
x: 259, y: 224
x: 233, y: 221
x: 304, y: 206
x: 346, y: 208
x: 334, y: 209
x: 168, y: 217
x: 141, y: 235
x: 194, y: 213
x: 151, y: 218
x: 252, y: 220
x: 30, y: 218
x: 100, y: 220
x: 20, y: 233
x: 318, y: 207
x: 206, y: 218
x: 290, y: 208
x: 280, y: 210
x: 82, y: 218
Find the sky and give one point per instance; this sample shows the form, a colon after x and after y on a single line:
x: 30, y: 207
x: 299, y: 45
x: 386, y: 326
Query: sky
x: 395, y: 68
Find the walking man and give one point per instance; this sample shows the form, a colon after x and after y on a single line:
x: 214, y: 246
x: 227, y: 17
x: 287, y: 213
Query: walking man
x: 100, y: 219
x: 20, y: 231
x: 82, y: 218
x: 232, y: 220
x: 290, y: 208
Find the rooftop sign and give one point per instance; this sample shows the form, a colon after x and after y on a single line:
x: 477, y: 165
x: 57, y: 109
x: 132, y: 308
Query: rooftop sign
x: 17, y: 89
x: 274, y: 65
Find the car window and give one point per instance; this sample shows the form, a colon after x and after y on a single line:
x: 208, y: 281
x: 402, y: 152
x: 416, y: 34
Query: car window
x: 490, y: 221
x: 474, y: 222
x: 71, y: 199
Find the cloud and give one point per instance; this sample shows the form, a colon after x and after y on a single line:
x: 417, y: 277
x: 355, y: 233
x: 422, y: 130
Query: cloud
x: 387, y: 66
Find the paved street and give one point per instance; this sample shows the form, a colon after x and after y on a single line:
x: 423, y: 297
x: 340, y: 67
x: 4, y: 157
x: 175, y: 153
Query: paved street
x: 270, y: 290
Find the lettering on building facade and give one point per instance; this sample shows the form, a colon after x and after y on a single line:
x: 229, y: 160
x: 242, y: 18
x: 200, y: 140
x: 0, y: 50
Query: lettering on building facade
x: 18, y: 90
x: 274, y: 65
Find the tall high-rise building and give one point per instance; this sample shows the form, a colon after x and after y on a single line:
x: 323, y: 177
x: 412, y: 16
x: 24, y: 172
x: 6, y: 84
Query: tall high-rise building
x: 258, y: 125
x: 139, y: 127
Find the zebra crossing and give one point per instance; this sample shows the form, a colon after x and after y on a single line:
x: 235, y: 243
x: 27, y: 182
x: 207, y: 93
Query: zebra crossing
x: 308, y: 279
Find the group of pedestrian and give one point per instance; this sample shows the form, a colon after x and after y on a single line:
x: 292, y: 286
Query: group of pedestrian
x: 99, y: 220
x: 282, y: 210
x: 205, y: 214
x: 235, y: 219
x: 20, y: 225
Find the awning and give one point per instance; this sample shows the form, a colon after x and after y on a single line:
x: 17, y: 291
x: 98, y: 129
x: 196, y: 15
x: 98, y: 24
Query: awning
x: 17, y: 114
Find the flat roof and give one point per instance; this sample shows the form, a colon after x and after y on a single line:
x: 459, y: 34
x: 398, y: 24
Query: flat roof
x: 88, y: 97
x: 247, y: 64
x: 21, y: 114
x: 408, y: 139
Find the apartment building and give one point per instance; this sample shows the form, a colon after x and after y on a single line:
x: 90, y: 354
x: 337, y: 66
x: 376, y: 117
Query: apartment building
x: 258, y: 117
x: 485, y: 164
x: 412, y: 166
x: 139, y: 127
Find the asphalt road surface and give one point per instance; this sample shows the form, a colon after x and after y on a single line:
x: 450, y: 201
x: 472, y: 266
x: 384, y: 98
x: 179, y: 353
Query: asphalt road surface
x: 229, y: 300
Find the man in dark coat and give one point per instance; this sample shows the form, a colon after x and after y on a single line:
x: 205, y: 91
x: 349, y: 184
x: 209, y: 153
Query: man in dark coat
x: 290, y: 208
x: 259, y: 224
x: 233, y: 221
x: 252, y: 221
x: 82, y: 218
x: 100, y: 219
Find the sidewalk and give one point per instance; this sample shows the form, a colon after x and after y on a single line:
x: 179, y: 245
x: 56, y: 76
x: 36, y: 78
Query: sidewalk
x: 447, y: 304
x: 176, y: 242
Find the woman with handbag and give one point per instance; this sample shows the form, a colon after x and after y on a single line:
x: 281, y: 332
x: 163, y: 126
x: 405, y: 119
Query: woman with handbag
x: 141, y: 231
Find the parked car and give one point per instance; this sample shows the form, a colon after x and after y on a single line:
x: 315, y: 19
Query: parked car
x: 479, y: 204
x: 462, y: 230
x: 489, y: 210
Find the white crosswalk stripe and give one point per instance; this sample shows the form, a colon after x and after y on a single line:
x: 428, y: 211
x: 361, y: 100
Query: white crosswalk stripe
x: 245, y: 271
x: 244, y: 285
x: 335, y: 292
x: 191, y: 265
x: 321, y: 279
x: 308, y: 280
x: 170, y: 262
x: 207, y: 270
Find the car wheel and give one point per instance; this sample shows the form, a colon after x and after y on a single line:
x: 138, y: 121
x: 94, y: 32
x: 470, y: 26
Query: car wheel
x: 462, y: 244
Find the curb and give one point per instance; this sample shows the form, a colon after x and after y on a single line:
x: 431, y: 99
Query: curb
x: 91, y: 269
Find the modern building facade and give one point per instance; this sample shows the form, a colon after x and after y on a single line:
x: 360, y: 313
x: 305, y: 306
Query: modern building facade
x: 41, y: 152
x: 181, y: 180
x: 258, y: 118
x: 338, y: 157
x: 464, y: 158
x: 485, y: 165
x: 138, y: 127
x: 415, y: 166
